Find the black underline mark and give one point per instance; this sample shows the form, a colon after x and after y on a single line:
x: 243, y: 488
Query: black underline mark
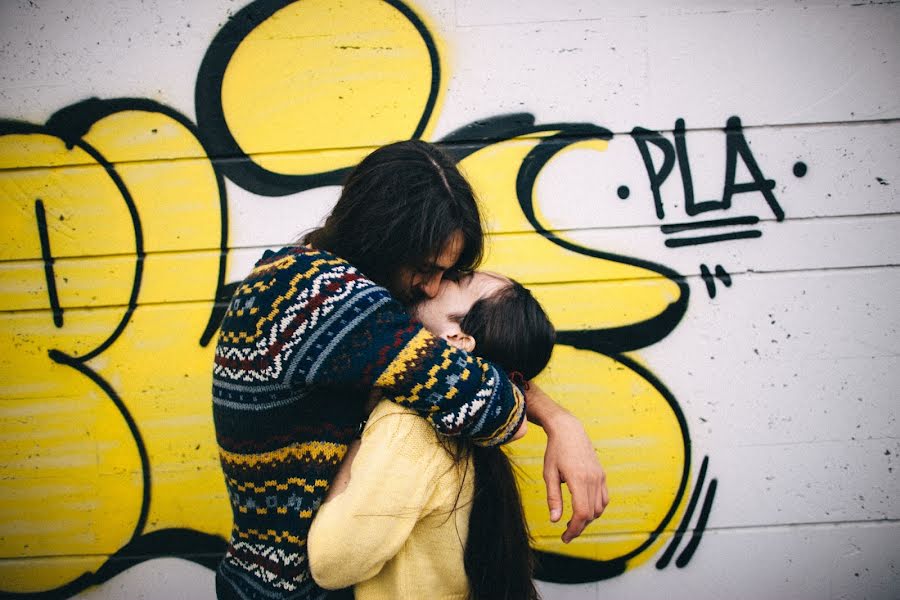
x: 47, y: 257
x: 709, y: 239
x: 685, y: 557
x: 663, y: 562
x: 676, y: 227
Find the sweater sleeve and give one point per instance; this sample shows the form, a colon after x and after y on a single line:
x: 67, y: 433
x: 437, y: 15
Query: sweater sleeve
x: 369, y: 339
x: 393, y: 477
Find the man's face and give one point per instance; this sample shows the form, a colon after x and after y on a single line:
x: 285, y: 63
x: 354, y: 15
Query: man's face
x: 414, y: 284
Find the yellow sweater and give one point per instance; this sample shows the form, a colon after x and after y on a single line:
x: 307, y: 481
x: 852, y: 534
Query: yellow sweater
x: 399, y: 529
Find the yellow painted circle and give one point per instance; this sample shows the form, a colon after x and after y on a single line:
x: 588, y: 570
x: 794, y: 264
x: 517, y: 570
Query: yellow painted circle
x: 322, y: 75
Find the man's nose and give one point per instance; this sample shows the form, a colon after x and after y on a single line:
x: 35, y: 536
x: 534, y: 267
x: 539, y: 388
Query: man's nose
x: 430, y: 286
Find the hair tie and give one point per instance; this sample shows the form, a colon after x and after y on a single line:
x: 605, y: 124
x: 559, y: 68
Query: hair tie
x: 517, y: 378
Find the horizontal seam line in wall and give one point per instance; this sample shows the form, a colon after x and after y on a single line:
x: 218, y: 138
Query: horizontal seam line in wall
x: 784, y: 526
x: 684, y: 13
x: 810, y: 442
x: 658, y: 278
x: 697, y: 276
x: 126, y: 558
x: 657, y: 225
x: 118, y: 255
x: 810, y: 525
x: 455, y: 143
x: 279, y: 244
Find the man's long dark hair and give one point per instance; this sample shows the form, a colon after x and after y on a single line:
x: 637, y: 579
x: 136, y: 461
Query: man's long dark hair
x: 512, y: 331
x: 399, y: 208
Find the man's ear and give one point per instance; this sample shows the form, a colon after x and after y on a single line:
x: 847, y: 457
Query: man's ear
x: 460, y: 340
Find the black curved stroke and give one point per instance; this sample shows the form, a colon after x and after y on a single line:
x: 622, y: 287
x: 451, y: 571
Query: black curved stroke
x: 79, y: 365
x: 237, y: 165
x: 471, y: 138
x: 558, y: 568
x: 201, y: 548
x: 614, y: 339
x: 666, y: 557
x: 13, y: 127
x: 73, y: 122
x: 70, y: 125
x: 685, y: 557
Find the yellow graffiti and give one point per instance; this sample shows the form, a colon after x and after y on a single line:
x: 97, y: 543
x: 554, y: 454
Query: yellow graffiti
x: 110, y: 266
x: 291, y: 92
x: 71, y: 470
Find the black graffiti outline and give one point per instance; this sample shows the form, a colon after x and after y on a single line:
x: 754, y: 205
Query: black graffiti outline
x: 79, y: 362
x: 73, y: 122
x: 712, y: 239
x: 207, y: 551
x: 618, y: 339
x: 17, y: 127
x: 217, y: 137
x: 464, y: 141
x: 669, y: 552
x: 679, y: 227
x: 70, y: 124
x: 685, y: 557
x: 736, y: 145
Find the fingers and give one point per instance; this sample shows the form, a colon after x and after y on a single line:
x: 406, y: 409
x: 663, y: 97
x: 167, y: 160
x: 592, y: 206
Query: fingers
x: 589, y: 499
x: 604, y: 496
x: 583, y: 510
x: 554, y: 493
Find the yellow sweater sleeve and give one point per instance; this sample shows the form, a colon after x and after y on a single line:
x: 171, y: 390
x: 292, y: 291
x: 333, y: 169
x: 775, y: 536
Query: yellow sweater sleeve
x: 393, y: 480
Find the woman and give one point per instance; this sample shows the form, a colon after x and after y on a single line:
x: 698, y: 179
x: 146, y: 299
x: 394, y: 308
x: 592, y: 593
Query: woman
x: 415, y: 515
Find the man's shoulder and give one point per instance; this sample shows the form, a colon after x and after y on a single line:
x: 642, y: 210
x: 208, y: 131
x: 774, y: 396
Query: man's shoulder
x: 299, y: 267
x: 304, y: 284
x: 295, y: 257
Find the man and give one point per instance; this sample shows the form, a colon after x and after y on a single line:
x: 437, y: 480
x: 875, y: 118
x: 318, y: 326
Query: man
x: 316, y: 329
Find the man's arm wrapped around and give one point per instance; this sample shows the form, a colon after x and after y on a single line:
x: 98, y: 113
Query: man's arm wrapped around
x: 308, y: 320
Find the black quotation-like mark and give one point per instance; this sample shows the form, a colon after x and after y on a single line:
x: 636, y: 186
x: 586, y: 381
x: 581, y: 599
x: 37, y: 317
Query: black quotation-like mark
x: 710, y: 282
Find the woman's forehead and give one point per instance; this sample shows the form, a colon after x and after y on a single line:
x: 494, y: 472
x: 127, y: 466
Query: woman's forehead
x: 484, y: 283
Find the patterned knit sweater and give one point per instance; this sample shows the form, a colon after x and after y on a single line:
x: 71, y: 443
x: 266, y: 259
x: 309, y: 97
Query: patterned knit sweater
x: 305, y: 341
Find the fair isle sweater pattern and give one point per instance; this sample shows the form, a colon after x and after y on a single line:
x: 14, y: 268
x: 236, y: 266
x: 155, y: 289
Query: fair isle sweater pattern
x: 303, y: 343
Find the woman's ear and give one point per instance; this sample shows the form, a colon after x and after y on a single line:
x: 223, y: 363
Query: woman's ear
x: 460, y: 340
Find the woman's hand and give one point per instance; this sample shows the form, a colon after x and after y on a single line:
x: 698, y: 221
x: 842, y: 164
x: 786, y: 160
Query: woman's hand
x: 342, y: 478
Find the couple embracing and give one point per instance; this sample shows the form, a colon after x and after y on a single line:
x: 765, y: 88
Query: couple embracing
x: 364, y: 379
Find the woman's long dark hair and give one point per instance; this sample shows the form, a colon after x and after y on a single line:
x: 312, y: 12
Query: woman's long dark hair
x: 400, y: 207
x: 512, y: 331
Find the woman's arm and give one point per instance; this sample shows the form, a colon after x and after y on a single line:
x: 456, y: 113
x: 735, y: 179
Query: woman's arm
x: 382, y: 492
